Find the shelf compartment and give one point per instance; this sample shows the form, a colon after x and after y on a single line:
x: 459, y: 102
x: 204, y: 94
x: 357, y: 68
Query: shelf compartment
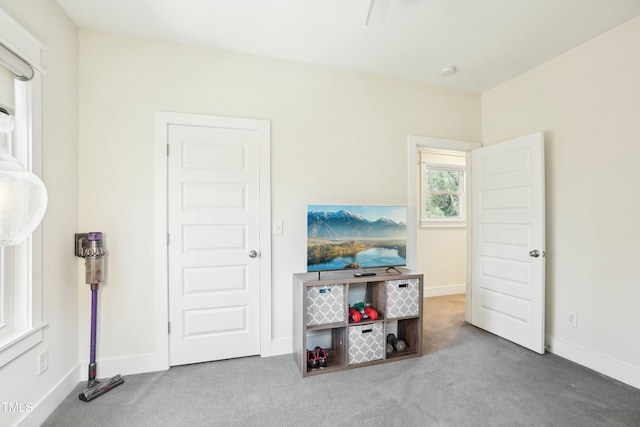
x: 325, y: 304
x: 372, y: 294
x: 403, y: 298
x: 366, y: 342
x: 333, y: 341
x: 409, y: 331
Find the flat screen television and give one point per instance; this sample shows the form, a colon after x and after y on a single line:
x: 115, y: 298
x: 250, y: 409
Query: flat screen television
x: 356, y: 237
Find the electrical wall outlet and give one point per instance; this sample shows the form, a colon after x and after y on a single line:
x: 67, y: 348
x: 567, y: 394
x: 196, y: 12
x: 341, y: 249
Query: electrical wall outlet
x: 43, y: 362
x: 572, y: 319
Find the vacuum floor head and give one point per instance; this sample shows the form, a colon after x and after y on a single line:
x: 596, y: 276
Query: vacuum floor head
x: 98, y: 388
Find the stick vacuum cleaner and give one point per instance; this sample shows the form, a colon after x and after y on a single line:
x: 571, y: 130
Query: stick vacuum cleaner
x: 89, y: 247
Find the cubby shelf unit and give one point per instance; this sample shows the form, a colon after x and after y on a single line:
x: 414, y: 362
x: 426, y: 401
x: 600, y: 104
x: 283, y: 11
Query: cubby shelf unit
x: 321, y: 317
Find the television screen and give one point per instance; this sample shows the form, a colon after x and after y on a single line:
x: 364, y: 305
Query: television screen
x: 349, y: 237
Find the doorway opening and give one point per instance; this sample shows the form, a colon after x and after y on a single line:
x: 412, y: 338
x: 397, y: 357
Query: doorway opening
x: 443, y: 244
x: 441, y: 240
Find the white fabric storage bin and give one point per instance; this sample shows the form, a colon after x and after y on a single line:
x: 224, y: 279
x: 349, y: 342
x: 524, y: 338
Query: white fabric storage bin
x: 366, y: 342
x: 325, y: 304
x: 403, y: 298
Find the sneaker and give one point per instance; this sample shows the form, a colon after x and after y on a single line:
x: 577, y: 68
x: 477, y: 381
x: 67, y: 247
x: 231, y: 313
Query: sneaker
x: 321, y: 356
x: 312, y: 360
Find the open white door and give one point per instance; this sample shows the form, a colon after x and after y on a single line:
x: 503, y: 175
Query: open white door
x: 508, y: 281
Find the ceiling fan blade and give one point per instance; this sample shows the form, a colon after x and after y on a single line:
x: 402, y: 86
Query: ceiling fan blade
x: 378, y: 10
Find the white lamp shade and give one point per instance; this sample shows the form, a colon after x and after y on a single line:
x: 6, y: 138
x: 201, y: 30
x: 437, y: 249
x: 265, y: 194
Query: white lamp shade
x: 23, y: 199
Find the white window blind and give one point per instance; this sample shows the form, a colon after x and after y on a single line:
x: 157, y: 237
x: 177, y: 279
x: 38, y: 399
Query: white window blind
x: 7, y: 103
x: 15, y: 64
x: 12, y: 66
x: 7, y: 90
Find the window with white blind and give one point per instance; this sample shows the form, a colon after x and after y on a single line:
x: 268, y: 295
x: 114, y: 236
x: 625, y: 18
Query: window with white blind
x: 20, y: 265
x: 7, y: 111
x: 15, y: 260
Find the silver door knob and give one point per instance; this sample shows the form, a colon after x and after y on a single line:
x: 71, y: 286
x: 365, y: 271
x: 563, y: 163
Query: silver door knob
x: 253, y: 254
x: 534, y: 253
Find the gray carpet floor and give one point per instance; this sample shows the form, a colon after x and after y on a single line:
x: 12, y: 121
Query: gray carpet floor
x: 466, y: 377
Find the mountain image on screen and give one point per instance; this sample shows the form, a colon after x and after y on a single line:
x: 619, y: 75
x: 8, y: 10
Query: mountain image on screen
x: 346, y: 225
x: 343, y: 238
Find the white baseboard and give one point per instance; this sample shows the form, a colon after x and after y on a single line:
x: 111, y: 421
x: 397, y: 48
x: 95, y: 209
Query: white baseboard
x: 606, y: 365
x: 281, y: 346
x: 141, y: 363
x: 126, y: 365
x: 436, y: 291
x: 52, y: 399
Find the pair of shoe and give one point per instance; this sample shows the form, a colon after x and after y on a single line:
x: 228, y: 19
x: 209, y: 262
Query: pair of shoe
x: 317, y: 358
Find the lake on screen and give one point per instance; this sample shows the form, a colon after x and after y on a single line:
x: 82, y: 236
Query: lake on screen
x: 374, y: 257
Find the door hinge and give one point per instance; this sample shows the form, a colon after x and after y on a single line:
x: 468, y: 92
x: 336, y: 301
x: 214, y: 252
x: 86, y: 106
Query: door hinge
x: 167, y: 239
x: 169, y: 327
x: 167, y: 149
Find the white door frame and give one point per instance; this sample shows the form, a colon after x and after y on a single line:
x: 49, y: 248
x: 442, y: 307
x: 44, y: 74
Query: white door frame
x: 161, y: 280
x: 414, y: 143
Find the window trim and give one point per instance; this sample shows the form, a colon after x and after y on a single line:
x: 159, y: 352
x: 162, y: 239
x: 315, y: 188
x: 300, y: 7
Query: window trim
x: 29, y: 330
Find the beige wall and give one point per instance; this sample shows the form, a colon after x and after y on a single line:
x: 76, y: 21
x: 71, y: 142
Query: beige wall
x: 442, y: 259
x: 587, y: 101
x: 337, y: 137
x: 19, y: 380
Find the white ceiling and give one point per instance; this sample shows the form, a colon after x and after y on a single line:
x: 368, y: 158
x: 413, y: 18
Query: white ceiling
x: 488, y: 41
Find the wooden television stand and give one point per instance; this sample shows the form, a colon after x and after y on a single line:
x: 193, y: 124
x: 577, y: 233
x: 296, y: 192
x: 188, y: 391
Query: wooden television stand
x: 321, y: 317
